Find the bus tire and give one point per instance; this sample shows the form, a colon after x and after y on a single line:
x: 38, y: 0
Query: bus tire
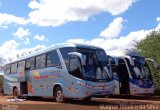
x: 59, y: 95
x: 87, y: 99
x: 15, y: 92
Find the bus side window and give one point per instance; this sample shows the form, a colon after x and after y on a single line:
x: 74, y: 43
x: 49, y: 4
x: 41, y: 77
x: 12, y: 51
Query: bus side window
x: 41, y: 61
x: 38, y: 61
x: 28, y: 64
x: 53, y: 60
x: 14, y: 68
x: 21, y: 64
x: 7, y: 69
x: 32, y: 61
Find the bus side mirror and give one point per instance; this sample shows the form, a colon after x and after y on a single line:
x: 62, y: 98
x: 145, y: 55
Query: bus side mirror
x: 116, y: 61
x: 82, y: 57
x: 113, y: 59
x: 156, y: 65
x: 131, y: 60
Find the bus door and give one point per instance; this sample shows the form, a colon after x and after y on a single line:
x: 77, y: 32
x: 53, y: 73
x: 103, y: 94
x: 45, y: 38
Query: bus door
x: 123, y: 75
x: 22, y: 77
x: 114, y: 69
x: 75, y: 70
x: 116, y: 80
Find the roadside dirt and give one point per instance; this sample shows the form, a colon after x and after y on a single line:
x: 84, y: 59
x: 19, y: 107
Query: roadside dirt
x: 114, y: 103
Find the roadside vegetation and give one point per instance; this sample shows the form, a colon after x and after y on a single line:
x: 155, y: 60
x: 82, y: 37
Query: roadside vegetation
x: 1, y: 83
x: 150, y: 48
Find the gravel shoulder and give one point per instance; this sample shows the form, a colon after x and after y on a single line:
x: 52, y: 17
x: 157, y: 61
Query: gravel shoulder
x: 94, y: 104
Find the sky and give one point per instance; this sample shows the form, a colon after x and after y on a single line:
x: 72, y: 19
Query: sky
x: 29, y: 25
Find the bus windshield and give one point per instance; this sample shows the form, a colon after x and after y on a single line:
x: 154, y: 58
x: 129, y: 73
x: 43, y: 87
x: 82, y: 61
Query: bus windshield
x: 141, y: 68
x: 96, y: 67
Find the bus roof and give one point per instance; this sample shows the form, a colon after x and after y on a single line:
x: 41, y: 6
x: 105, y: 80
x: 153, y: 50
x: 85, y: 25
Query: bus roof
x: 61, y: 45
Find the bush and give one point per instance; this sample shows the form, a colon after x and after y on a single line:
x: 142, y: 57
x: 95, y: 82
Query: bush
x: 1, y: 84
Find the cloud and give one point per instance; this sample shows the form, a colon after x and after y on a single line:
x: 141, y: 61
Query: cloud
x: 8, y: 47
x: 115, y: 43
x: 158, y: 19
x: 7, y: 19
x: 76, y: 40
x: 40, y: 37
x: 58, y: 12
x: 123, y: 42
x: 23, y: 34
x: 114, y: 28
x: 9, y: 50
x: 27, y: 51
x: 26, y: 40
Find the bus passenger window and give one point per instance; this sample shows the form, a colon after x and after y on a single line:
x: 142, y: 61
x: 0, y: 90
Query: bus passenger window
x: 53, y: 60
x: 32, y: 61
x: 21, y: 64
x: 14, y: 68
x: 38, y: 61
x: 41, y: 61
x: 75, y: 67
x: 7, y: 69
x: 28, y: 64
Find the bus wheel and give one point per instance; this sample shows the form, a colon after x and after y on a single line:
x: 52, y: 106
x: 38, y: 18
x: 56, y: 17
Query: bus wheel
x: 87, y: 99
x: 15, y: 93
x: 59, y: 95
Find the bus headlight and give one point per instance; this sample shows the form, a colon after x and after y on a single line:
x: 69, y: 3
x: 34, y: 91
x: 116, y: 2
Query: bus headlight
x: 81, y: 83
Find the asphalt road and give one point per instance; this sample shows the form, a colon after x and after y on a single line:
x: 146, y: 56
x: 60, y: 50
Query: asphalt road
x: 114, y: 103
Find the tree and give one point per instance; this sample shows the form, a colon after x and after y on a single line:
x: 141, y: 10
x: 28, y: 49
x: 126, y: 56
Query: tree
x: 150, y: 48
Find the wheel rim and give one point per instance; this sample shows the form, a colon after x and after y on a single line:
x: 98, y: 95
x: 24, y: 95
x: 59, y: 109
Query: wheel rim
x: 59, y: 96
